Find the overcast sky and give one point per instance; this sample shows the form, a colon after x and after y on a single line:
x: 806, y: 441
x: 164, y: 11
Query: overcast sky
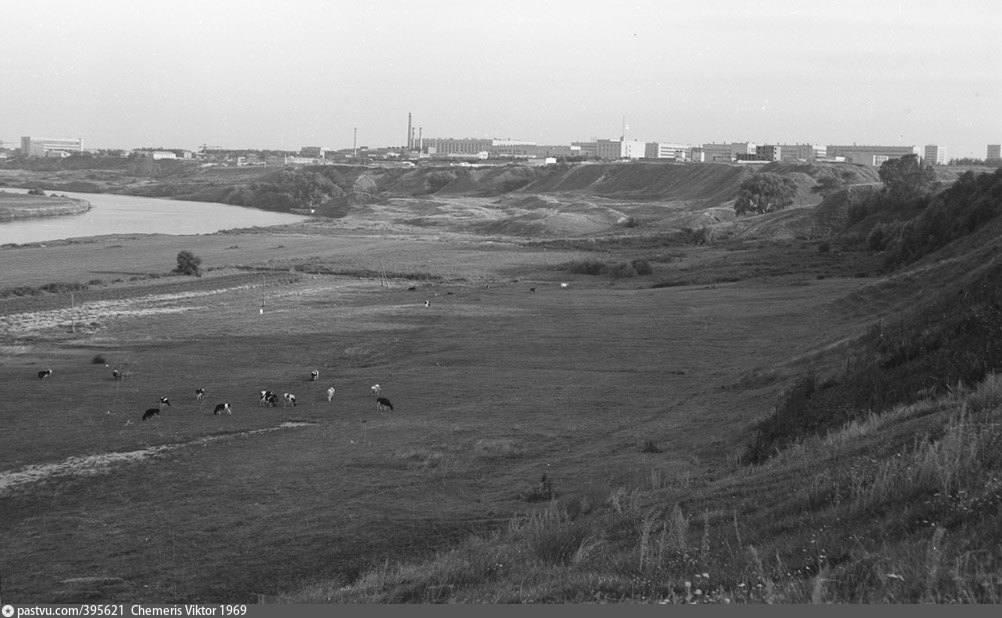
x: 290, y: 73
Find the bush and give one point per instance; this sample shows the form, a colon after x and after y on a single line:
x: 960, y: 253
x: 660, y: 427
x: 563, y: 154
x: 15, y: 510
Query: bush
x: 188, y: 264
x: 825, y: 247
x: 642, y: 266
x: 623, y: 270
x: 588, y: 267
x: 99, y: 360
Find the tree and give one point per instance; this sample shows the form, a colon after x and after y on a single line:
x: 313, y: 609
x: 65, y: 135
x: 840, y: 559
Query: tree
x: 831, y: 183
x: 765, y: 192
x: 188, y: 264
x: 906, y: 178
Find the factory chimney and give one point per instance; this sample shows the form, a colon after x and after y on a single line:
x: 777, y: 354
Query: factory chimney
x: 410, y: 132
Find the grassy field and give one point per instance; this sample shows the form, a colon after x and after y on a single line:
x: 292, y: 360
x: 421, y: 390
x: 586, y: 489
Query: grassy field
x: 632, y: 396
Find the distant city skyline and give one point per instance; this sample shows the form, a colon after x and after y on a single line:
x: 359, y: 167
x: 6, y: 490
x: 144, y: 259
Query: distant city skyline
x: 267, y: 75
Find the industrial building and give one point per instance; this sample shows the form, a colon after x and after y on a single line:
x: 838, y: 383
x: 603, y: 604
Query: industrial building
x: 41, y: 146
x: 870, y: 156
x: 667, y: 150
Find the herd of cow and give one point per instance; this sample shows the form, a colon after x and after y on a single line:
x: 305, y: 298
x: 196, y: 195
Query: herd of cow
x: 267, y: 397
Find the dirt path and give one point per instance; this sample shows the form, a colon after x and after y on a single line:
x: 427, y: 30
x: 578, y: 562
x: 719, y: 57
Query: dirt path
x: 91, y: 465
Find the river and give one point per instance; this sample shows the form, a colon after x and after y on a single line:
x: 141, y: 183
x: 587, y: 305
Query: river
x: 127, y: 214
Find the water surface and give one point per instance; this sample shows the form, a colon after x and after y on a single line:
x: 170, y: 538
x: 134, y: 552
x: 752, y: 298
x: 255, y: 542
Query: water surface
x: 127, y: 214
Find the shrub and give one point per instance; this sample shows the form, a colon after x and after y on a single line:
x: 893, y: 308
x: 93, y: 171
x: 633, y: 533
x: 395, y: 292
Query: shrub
x: 623, y: 270
x: 825, y: 247
x: 587, y: 267
x: 542, y: 491
x: 642, y: 266
x: 98, y: 360
x: 188, y: 264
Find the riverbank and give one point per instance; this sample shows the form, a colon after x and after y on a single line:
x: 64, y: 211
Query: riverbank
x: 18, y: 206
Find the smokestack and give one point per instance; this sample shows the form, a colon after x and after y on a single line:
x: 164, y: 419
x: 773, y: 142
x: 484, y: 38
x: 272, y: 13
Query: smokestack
x: 420, y: 138
x: 410, y: 132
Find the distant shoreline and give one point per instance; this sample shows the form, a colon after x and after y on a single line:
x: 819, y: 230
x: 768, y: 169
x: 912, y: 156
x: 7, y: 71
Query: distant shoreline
x: 18, y: 206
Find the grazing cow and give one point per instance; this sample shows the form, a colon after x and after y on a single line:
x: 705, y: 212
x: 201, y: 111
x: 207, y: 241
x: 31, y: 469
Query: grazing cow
x: 412, y: 288
x: 200, y: 394
x: 44, y: 374
x: 374, y: 390
x: 115, y: 374
x: 563, y: 285
x: 532, y: 289
x: 290, y: 400
x: 150, y: 413
x: 383, y: 404
x: 164, y: 402
x: 222, y: 407
x: 330, y: 393
x: 268, y: 397
x: 314, y: 375
x: 427, y: 303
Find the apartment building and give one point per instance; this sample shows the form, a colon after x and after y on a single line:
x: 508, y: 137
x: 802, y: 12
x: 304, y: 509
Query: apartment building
x: 935, y: 155
x: 994, y: 152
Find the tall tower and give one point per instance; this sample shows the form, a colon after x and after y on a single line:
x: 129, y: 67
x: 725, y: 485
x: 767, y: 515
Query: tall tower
x: 410, y: 133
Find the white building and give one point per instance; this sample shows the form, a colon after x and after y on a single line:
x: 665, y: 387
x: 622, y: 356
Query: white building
x: 667, y: 150
x: 994, y: 152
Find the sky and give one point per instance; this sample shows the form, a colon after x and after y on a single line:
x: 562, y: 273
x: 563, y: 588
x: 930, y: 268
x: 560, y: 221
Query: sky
x: 282, y: 75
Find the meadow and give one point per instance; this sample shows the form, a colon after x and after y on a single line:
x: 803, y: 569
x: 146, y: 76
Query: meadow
x: 493, y: 387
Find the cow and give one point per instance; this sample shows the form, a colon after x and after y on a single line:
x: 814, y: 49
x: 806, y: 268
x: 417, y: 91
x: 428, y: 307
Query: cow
x: 383, y: 404
x: 330, y: 393
x: 150, y: 413
x: 314, y: 375
x: 164, y: 402
x: 427, y: 303
x: 200, y: 394
x: 268, y: 397
x: 222, y: 407
x: 290, y: 400
x: 44, y: 374
x: 374, y: 390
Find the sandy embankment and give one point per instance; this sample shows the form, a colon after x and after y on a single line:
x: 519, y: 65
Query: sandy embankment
x: 22, y: 206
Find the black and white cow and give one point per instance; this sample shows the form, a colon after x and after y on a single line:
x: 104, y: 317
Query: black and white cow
x: 374, y: 390
x: 200, y: 394
x: 268, y: 397
x: 44, y: 374
x: 164, y: 402
x: 314, y: 375
x: 290, y: 399
x: 383, y: 404
x: 330, y: 393
x: 222, y: 407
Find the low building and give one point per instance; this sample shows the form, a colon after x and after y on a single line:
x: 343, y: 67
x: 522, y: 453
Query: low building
x: 667, y: 150
x: 727, y: 153
x: 870, y: 156
x: 613, y: 150
x: 798, y: 152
